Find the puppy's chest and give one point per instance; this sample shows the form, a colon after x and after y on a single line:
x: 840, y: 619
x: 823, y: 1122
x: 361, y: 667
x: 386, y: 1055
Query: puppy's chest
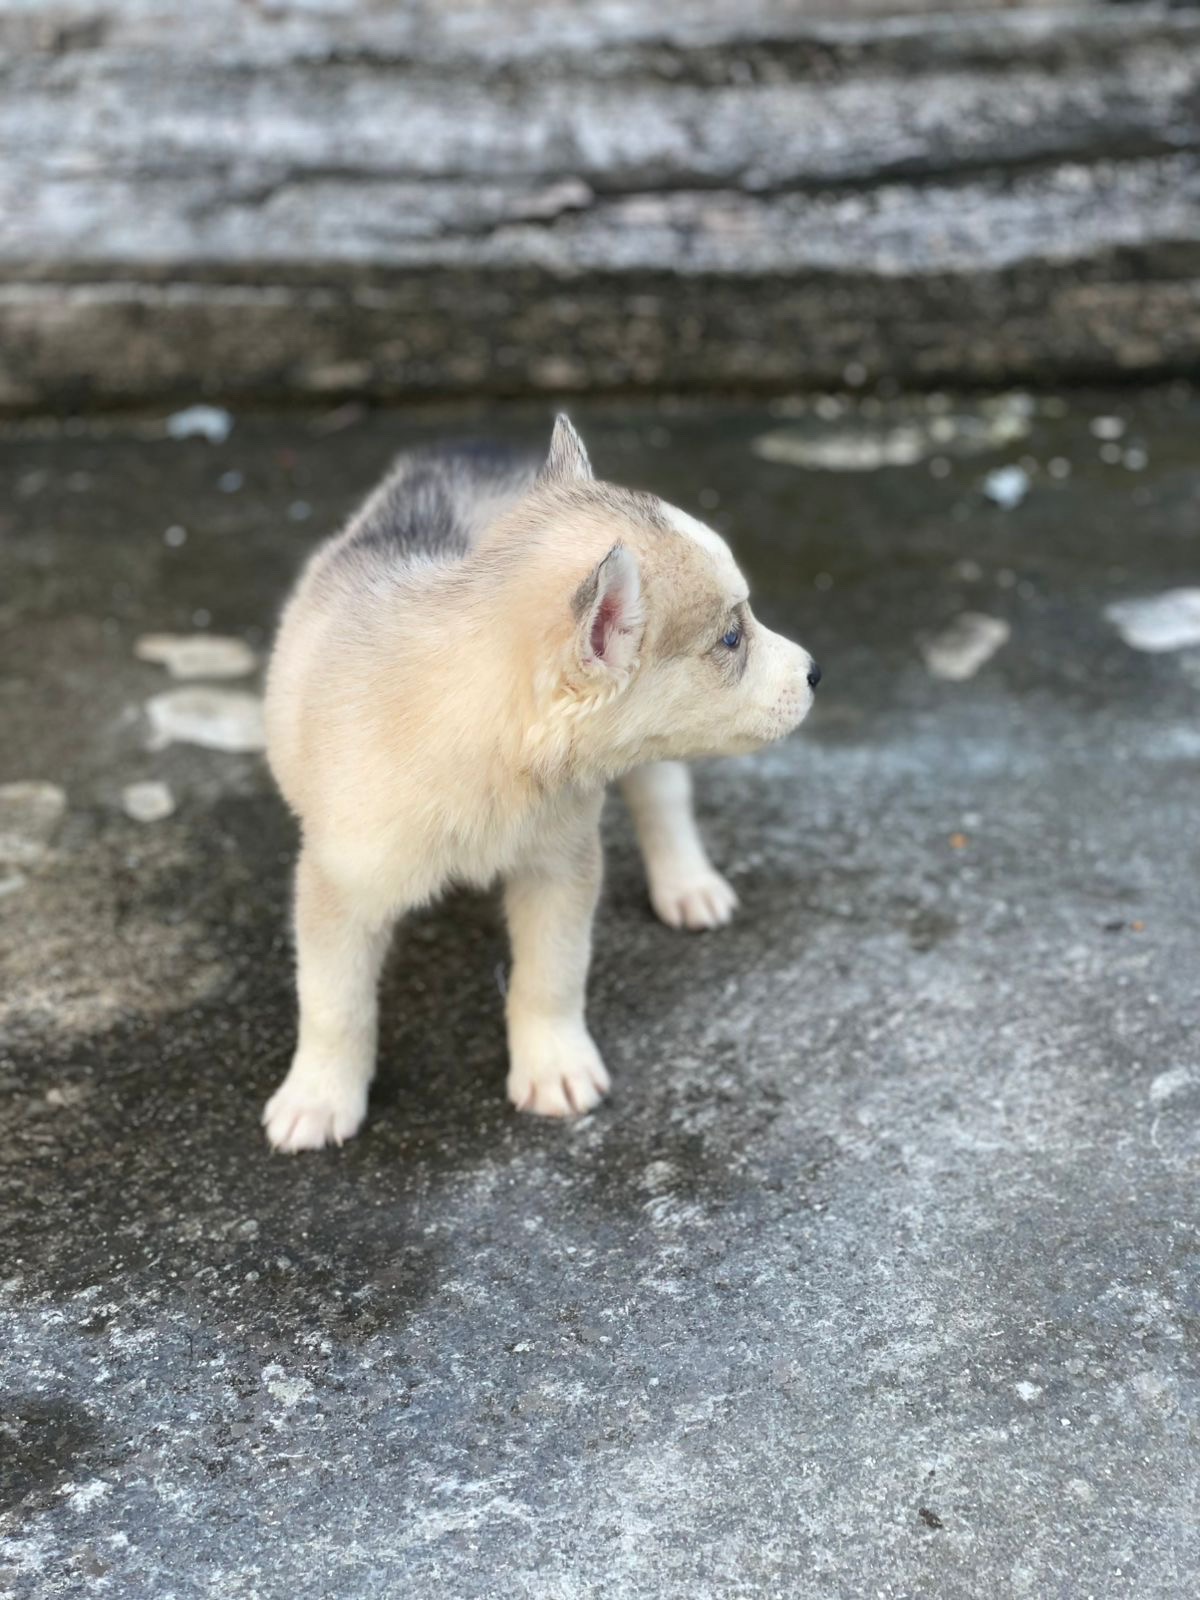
x: 498, y: 844
x: 471, y: 849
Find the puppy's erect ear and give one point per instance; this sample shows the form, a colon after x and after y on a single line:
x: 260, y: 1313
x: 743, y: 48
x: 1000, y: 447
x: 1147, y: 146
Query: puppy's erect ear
x: 609, y: 611
x: 567, y: 457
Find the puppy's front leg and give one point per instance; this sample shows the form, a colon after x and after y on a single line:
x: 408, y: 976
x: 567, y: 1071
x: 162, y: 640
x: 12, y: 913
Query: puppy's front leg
x: 686, y: 890
x: 554, y: 1068
x: 339, y: 950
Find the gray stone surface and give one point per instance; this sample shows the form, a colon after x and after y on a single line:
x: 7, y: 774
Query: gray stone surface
x: 877, y: 1276
x: 505, y: 198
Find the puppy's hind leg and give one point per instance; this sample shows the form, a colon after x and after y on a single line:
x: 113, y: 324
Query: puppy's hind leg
x: 339, y: 951
x: 686, y: 890
x: 554, y: 1067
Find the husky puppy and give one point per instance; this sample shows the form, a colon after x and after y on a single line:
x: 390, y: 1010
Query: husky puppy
x: 457, y: 677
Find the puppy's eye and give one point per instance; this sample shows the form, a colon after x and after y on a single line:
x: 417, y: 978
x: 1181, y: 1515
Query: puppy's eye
x: 733, y: 638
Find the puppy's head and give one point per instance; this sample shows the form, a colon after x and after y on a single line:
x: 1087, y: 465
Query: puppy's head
x: 656, y: 653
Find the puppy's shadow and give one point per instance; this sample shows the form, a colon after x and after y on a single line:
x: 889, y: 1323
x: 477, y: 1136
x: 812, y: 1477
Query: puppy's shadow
x: 153, y: 1179
x: 438, y: 1104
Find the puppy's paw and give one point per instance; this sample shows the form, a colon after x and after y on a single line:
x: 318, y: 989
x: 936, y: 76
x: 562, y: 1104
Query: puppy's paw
x: 555, y: 1071
x: 697, y: 900
x: 306, y: 1115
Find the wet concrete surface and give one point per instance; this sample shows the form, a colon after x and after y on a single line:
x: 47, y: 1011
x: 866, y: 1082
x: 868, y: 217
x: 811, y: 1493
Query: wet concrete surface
x: 878, y: 1274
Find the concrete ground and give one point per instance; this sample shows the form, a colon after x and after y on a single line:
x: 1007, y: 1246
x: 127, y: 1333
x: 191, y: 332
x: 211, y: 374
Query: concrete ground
x: 878, y: 1274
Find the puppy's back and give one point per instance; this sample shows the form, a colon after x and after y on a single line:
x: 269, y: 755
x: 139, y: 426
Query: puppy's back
x: 436, y: 502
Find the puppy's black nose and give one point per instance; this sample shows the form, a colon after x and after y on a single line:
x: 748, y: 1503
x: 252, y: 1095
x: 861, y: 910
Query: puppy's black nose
x: 814, y: 676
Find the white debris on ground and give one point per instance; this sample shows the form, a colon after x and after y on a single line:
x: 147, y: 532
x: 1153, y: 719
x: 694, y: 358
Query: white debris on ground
x: 30, y: 813
x: 1168, y: 1084
x: 150, y: 801
x: 1169, y: 621
x: 217, y: 719
x: 1107, y: 427
x: 1006, y: 487
x: 844, y: 449
x: 899, y: 435
x: 959, y: 650
x: 197, y: 655
x: 204, y: 422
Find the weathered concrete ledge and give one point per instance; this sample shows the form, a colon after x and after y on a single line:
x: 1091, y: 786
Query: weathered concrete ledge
x: 531, y: 198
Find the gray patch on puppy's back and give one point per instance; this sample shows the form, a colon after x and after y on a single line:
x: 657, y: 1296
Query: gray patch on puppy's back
x: 411, y: 513
x: 437, y: 501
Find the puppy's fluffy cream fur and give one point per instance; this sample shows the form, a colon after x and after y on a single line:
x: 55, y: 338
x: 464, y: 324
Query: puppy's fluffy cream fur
x: 457, y: 676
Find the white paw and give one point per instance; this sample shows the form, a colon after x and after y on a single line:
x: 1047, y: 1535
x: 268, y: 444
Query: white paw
x: 303, y: 1115
x: 555, y: 1071
x: 702, y: 899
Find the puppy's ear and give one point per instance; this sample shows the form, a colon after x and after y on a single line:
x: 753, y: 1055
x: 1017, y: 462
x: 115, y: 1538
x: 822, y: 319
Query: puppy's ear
x: 610, y: 615
x: 567, y: 457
